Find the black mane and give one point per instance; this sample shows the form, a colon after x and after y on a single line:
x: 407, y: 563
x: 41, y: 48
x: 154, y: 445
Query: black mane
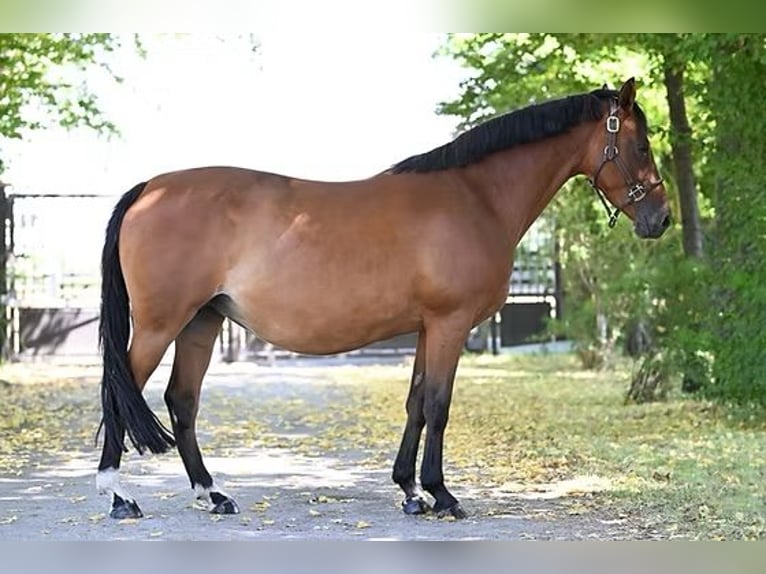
x: 526, y: 125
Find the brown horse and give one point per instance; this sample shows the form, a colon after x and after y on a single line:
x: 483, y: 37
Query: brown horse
x: 426, y: 246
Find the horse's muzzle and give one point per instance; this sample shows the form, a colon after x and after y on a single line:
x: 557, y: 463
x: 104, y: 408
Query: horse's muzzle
x: 653, y: 224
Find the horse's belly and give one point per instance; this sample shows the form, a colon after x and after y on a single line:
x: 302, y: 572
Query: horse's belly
x: 320, y: 327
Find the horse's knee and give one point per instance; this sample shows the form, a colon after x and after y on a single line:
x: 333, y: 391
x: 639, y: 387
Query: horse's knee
x: 414, y: 410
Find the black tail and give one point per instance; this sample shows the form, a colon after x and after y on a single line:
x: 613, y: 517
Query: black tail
x: 123, y: 404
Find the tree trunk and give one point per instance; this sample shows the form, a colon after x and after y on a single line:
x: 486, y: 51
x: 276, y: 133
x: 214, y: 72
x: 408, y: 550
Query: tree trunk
x: 680, y: 142
x: 650, y: 383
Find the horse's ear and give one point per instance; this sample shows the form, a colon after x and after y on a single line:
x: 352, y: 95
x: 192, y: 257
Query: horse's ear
x: 627, y: 95
x: 604, y: 87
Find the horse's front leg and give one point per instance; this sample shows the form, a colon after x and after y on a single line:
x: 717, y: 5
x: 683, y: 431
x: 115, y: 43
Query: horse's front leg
x: 404, y: 466
x: 444, y: 344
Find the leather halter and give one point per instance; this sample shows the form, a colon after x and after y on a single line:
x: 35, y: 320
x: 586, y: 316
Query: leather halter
x: 637, y: 190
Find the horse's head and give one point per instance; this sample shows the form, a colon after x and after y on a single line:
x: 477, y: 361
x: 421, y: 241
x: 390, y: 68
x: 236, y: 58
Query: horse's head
x: 621, y: 167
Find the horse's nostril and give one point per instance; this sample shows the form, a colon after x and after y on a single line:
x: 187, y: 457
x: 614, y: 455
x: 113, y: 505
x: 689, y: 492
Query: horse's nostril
x: 666, y: 221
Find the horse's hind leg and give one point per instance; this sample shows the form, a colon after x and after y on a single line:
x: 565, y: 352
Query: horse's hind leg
x: 123, y: 505
x: 146, y: 351
x: 194, y: 346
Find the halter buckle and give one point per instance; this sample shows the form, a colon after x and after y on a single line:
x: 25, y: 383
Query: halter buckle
x: 612, y: 124
x: 637, y: 192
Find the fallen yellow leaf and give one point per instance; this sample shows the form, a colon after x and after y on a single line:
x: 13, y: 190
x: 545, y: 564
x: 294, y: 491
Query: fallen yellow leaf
x: 262, y: 506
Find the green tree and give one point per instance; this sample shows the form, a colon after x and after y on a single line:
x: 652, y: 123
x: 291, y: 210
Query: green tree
x: 605, y: 289
x: 736, y: 172
x: 701, y: 290
x: 42, y: 83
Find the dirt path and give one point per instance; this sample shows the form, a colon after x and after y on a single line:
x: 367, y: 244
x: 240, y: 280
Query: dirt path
x: 283, y: 493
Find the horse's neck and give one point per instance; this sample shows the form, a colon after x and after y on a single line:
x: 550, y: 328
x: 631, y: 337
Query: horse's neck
x: 518, y: 183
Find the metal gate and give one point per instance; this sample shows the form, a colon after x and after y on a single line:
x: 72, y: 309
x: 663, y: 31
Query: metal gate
x: 534, y: 294
x: 51, y: 272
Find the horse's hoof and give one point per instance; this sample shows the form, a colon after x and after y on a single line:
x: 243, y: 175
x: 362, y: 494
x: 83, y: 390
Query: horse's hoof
x: 455, y: 511
x: 223, y: 504
x: 122, y: 508
x: 415, y: 505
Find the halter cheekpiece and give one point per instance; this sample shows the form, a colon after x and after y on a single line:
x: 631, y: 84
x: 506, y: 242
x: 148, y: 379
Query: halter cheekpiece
x: 637, y: 190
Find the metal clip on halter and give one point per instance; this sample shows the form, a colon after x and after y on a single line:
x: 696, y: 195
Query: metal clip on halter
x: 637, y: 192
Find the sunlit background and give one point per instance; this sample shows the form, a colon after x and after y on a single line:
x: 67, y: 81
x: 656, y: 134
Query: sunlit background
x: 320, y: 105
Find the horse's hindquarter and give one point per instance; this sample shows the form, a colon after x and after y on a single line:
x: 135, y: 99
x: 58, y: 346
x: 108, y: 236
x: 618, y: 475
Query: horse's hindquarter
x: 322, y: 268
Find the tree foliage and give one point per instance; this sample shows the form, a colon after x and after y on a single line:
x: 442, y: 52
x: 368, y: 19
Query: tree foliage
x: 602, y: 279
x: 703, y: 310
x: 738, y: 240
x: 42, y: 81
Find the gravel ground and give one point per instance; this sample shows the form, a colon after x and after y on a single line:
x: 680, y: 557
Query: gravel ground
x: 282, y: 493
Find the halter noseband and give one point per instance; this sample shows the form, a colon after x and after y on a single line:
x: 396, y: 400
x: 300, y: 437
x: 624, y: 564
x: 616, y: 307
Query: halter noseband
x: 637, y: 190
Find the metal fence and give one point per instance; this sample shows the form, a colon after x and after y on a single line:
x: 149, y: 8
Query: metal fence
x: 56, y: 249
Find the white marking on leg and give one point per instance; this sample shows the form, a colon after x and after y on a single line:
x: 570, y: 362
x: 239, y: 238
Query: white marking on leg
x: 108, y: 482
x: 203, y: 494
